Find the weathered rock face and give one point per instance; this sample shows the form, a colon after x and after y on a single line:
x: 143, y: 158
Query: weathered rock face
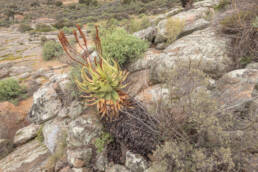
x: 203, y: 46
x: 46, y: 104
x: 52, y: 132
x: 237, y: 86
x: 138, y: 81
x: 54, y: 99
x: 191, y: 19
x: 147, y: 60
x: 148, y: 34
x: 26, y: 158
x: 135, y: 162
x: 25, y: 134
x: 84, y: 129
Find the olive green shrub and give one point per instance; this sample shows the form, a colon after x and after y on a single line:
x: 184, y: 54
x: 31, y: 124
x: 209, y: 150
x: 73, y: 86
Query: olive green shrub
x: 11, y: 90
x: 123, y: 47
x: 51, y: 49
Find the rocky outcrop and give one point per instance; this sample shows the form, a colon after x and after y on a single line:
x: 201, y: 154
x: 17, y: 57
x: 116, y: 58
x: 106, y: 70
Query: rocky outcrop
x: 84, y: 129
x: 202, y: 46
x: 192, y: 19
x: 48, y: 101
x: 26, y: 158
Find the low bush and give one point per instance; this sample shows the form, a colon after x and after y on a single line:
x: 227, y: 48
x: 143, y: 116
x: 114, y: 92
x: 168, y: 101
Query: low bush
x: 43, y: 28
x: 194, y: 137
x: 63, y: 23
x: 67, y: 30
x: 173, y: 28
x: 89, y: 2
x: 11, y: 90
x: 51, y: 49
x: 102, y: 141
x: 58, y: 3
x: 123, y: 47
x: 239, y: 25
x: 24, y: 27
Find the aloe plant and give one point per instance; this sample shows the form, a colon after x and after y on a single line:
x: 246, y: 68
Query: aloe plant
x: 102, y: 80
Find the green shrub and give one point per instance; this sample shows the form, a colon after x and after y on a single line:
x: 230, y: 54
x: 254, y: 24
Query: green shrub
x: 58, y: 3
x: 52, y: 49
x: 89, y: 2
x: 173, y: 28
x: 102, y: 141
x: 67, y: 30
x: 63, y: 23
x: 24, y: 28
x: 123, y: 47
x: 43, y: 28
x: 11, y: 90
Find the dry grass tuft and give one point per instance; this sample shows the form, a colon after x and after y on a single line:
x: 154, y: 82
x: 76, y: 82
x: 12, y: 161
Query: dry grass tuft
x: 174, y: 27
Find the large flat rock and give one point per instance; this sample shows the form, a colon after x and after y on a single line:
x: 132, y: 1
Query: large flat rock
x: 26, y: 158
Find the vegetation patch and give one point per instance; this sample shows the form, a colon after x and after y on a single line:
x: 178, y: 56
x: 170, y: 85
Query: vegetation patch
x: 102, y: 141
x: 122, y: 47
x: 174, y: 27
x: 138, y: 24
x: 40, y: 136
x: 239, y: 25
x: 43, y: 28
x: 193, y: 135
x: 51, y: 49
x: 11, y: 90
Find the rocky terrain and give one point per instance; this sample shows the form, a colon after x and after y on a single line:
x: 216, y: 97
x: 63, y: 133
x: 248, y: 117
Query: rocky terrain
x: 53, y: 130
